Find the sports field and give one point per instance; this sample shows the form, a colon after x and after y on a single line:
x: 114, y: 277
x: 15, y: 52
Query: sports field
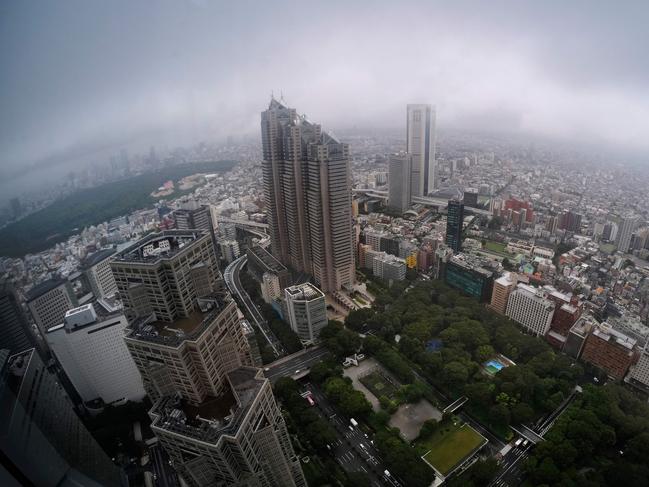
x: 496, y: 246
x: 379, y: 385
x: 450, y: 449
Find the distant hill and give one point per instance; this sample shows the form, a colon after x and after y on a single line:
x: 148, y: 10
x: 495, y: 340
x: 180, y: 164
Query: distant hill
x: 41, y: 230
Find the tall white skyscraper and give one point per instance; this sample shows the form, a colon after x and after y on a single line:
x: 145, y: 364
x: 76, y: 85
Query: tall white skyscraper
x: 420, y: 143
x: 626, y: 231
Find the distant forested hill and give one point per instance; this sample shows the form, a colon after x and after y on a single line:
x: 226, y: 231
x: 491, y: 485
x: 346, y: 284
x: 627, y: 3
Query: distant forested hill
x: 69, y: 215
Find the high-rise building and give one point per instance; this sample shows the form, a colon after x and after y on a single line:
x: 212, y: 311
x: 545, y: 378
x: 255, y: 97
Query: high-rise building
x: 307, y: 190
x: 15, y: 334
x: 165, y: 273
x: 530, y: 308
x: 213, y: 413
x: 192, y: 216
x: 454, y: 225
x: 306, y: 310
x: 626, y: 231
x: 420, y: 144
x: 569, y: 221
x: 40, y: 433
x: 90, y: 347
x: 96, y: 267
x: 49, y: 301
x: 503, y: 286
x: 400, y: 193
x: 239, y: 439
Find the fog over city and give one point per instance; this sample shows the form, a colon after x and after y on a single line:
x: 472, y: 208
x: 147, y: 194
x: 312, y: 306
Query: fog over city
x: 83, y: 78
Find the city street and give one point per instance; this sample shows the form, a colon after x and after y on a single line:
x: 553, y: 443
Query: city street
x: 299, y: 361
x: 163, y: 474
x: 233, y: 282
x: 353, y: 449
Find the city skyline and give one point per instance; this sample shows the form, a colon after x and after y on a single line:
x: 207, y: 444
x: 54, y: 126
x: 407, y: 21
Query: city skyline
x: 201, y: 285
x: 530, y: 86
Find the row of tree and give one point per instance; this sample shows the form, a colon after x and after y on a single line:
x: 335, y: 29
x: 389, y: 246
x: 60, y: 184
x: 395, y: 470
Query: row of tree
x: 469, y: 335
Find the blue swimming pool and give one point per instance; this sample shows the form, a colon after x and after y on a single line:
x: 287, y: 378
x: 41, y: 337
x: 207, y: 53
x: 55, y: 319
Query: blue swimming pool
x: 494, y: 366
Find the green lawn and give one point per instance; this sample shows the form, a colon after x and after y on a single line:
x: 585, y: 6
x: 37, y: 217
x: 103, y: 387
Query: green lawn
x: 379, y: 385
x: 449, y: 448
x: 496, y: 247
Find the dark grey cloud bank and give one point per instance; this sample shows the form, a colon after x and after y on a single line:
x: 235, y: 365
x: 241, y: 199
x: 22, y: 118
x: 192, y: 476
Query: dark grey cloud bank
x: 82, y: 75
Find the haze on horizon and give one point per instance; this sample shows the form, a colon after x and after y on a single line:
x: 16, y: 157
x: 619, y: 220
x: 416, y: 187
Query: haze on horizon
x: 84, y: 75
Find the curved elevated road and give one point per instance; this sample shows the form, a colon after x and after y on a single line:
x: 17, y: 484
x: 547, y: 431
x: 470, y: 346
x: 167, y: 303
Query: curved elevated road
x: 232, y: 280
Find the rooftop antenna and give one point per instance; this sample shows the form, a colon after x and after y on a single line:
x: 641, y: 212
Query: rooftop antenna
x: 281, y: 95
x: 272, y: 95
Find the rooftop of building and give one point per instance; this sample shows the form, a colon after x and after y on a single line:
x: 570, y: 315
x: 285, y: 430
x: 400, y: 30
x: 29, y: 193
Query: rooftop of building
x: 173, y: 333
x: 471, y: 263
x: 44, y: 287
x: 215, y: 416
x: 97, y: 257
x: 267, y: 258
x: 609, y: 334
x: 159, y: 246
x: 304, y: 291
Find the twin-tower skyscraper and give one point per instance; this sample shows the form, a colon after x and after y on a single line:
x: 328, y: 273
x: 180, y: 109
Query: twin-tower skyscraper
x: 307, y: 191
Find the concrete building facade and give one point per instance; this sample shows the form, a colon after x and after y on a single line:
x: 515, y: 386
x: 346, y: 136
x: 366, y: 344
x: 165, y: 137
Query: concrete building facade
x: 99, y: 274
x: 531, y: 309
x: 91, y: 350
x: 400, y: 192
x: 307, y: 189
x: 49, y: 301
x: 306, y: 309
x: 420, y: 144
x: 164, y: 273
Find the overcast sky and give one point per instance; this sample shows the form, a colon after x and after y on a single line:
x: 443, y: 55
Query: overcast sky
x: 79, y: 75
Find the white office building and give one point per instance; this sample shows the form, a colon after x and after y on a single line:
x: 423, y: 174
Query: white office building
x: 530, y: 308
x: 91, y: 349
x: 306, y: 310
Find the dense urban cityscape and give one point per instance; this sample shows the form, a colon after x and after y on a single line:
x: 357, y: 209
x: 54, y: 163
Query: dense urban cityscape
x: 314, y: 306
